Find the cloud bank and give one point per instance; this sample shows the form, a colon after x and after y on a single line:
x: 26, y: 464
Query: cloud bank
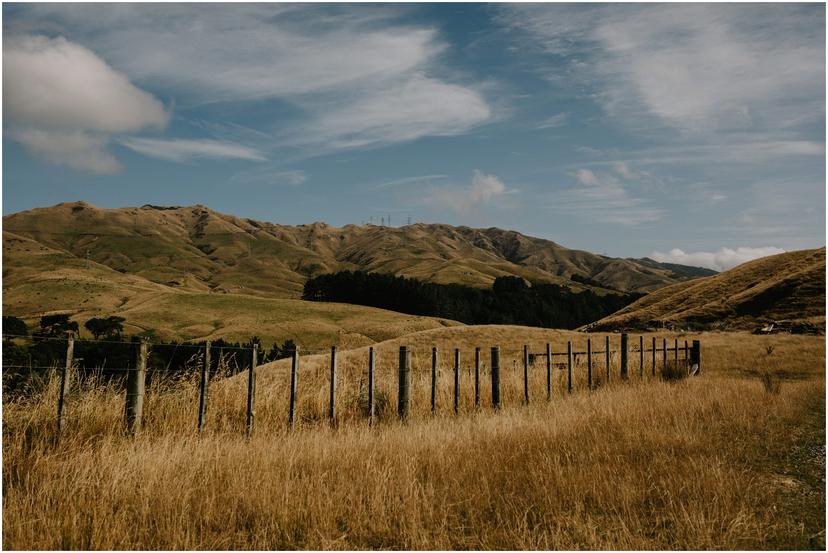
x: 483, y: 190
x: 64, y: 102
x: 721, y: 260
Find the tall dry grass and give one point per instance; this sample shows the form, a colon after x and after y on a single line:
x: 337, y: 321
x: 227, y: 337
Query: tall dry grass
x: 698, y: 464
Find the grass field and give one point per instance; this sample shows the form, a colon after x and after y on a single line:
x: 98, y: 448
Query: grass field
x: 722, y: 461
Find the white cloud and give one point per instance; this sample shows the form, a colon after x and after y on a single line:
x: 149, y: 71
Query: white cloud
x: 483, y: 190
x: 405, y: 111
x: 271, y: 176
x: 721, y: 260
x: 555, y: 121
x: 697, y: 67
x: 64, y: 102
x: 351, y: 76
x: 602, y: 198
x: 79, y: 150
x: 177, y: 149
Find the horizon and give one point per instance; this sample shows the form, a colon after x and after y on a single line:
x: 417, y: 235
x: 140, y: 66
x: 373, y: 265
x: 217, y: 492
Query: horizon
x: 586, y: 125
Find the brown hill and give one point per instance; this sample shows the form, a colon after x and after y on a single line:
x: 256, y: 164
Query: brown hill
x: 198, y: 249
x: 787, y: 289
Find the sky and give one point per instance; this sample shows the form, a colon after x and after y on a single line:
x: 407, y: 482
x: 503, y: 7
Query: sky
x: 689, y: 133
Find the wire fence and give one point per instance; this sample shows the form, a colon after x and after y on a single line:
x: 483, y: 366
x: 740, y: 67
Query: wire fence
x: 488, y: 373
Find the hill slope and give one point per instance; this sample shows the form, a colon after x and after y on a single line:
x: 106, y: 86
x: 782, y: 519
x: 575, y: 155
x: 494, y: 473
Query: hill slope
x: 788, y: 288
x: 198, y: 249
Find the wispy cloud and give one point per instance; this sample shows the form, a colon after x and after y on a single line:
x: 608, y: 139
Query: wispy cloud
x: 721, y: 260
x: 177, y: 149
x: 269, y: 175
x: 421, y: 179
x: 354, y: 76
x: 602, y: 198
x: 555, y: 121
x: 482, y: 191
x: 696, y: 67
x: 64, y: 102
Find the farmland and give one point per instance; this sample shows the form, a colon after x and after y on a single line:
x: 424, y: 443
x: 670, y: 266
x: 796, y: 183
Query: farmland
x: 717, y: 461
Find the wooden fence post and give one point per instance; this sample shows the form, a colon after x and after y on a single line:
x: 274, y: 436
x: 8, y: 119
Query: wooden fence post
x: 64, y: 381
x: 589, y: 363
x: 456, y: 380
x: 251, y: 389
x: 654, y: 356
x: 495, y: 377
x: 136, y: 379
x: 569, y: 367
x: 294, y: 369
x: 664, y: 355
x: 202, y: 398
x: 433, y: 380
x: 624, y: 345
x: 476, y: 377
x: 695, y: 356
x: 371, y: 385
x: 332, y: 400
x: 641, y: 356
x: 548, y: 371
x: 404, y: 382
x: 526, y: 375
x: 607, y: 355
x: 676, y: 355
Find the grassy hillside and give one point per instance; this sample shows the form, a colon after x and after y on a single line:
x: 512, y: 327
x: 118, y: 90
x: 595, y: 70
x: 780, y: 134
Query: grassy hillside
x: 787, y: 288
x: 715, y: 462
x: 38, y: 280
x: 198, y: 249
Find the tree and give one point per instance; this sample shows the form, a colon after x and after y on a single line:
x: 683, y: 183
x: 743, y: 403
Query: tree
x: 109, y: 327
x: 56, y: 325
x: 15, y: 326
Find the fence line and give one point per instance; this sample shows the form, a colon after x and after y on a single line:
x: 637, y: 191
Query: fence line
x: 689, y: 362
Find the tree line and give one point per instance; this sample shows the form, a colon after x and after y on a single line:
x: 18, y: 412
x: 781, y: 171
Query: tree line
x: 30, y: 354
x: 510, y: 300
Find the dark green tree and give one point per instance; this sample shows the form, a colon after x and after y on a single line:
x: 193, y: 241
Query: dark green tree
x: 15, y: 326
x: 105, y: 327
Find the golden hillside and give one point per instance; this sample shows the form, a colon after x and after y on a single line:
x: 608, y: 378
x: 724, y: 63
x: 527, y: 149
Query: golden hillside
x: 199, y: 249
x: 788, y: 288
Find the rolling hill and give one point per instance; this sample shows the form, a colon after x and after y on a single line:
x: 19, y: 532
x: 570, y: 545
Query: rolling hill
x: 787, y: 289
x: 199, y: 249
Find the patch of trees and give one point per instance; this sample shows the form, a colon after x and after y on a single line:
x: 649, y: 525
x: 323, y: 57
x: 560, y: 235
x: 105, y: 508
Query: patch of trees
x: 510, y: 300
x: 27, y: 362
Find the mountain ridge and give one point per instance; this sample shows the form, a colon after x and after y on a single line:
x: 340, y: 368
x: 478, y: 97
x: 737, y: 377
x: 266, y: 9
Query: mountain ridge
x: 198, y: 248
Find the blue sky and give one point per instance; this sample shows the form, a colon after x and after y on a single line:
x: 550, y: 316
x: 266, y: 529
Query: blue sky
x: 691, y: 133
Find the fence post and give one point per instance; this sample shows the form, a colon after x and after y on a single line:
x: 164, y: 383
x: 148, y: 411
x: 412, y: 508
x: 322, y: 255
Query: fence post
x: 476, y: 377
x: 456, y: 380
x: 589, y: 363
x: 371, y: 386
x: 495, y: 377
x: 548, y: 371
x: 332, y: 401
x: 676, y: 355
x: 654, y: 356
x: 641, y: 356
x: 569, y: 367
x: 136, y: 379
x: 64, y: 381
x: 526, y: 374
x: 433, y: 380
x: 624, y: 339
x: 404, y: 382
x: 695, y: 356
x: 202, y: 398
x: 294, y: 369
x: 607, y: 355
x: 664, y: 355
x: 251, y: 389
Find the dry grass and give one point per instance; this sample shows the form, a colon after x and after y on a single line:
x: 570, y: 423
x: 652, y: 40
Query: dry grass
x: 706, y: 463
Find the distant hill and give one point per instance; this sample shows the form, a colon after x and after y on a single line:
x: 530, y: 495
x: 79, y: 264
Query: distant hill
x: 198, y: 249
x: 788, y: 289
